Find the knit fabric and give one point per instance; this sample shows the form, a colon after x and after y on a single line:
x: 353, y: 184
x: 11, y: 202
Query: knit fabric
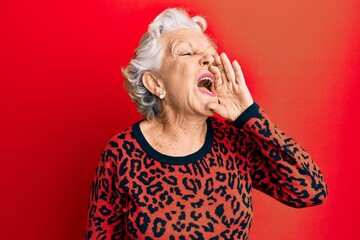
x: 140, y: 193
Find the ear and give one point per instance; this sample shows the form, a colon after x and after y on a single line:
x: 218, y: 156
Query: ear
x: 153, y: 84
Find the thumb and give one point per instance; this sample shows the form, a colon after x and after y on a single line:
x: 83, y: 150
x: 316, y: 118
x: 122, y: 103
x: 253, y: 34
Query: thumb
x: 218, y: 109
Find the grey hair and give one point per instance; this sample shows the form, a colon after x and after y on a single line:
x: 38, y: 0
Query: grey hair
x: 148, y: 56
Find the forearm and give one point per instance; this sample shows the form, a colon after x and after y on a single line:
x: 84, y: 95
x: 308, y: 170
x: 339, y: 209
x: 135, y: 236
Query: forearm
x: 280, y: 167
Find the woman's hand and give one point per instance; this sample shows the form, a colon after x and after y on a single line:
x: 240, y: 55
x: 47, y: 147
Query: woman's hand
x: 233, y: 95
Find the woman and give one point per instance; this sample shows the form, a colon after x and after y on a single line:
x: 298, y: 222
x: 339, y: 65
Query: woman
x: 180, y: 173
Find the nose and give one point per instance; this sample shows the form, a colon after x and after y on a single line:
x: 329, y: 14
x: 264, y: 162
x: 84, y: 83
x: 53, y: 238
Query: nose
x: 207, y: 59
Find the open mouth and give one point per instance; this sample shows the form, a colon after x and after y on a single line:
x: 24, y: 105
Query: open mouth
x: 205, y: 84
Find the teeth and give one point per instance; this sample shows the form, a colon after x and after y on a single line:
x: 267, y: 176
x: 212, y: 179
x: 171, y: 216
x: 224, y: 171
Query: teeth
x: 206, y: 78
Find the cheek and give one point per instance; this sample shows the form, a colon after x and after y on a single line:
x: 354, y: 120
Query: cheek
x: 179, y: 77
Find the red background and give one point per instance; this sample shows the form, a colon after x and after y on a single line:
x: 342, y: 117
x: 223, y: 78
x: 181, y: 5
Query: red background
x: 61, y: 99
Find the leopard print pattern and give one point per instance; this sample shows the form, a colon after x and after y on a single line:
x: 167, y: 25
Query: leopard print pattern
x: 135, y: 196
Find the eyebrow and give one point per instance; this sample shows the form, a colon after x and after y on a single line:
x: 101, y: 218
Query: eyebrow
x: 175, y: 44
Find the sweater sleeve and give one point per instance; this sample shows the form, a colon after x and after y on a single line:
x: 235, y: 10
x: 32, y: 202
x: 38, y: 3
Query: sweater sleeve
x: 105, y: 216
x: 279, y: 166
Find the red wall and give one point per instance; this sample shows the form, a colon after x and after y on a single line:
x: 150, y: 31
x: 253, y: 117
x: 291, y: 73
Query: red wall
x: 61, y: 99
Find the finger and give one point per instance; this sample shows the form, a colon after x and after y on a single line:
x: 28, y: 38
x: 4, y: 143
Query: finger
x: 218, y: 64
x: 214, y: 69
x: 229, y: 71
x: 217, y: 74
x: 240, y: 79
x: 217, y: 60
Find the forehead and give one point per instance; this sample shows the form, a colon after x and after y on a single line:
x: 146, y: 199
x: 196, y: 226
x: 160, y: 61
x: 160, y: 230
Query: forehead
x: 188, y: 38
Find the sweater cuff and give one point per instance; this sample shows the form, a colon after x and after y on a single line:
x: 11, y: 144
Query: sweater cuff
x: 250, y: 112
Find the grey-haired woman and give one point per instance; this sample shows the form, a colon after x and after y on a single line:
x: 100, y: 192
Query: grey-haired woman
x: 181, y: 173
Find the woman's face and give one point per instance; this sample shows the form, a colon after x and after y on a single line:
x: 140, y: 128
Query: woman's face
x: 185, y: 73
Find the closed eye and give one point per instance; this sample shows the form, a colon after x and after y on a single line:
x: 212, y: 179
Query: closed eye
x: 186, y: 54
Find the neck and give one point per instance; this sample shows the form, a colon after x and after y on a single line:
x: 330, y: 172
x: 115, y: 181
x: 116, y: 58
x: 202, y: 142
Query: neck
x: 181, y: 126
x: 175, y: 136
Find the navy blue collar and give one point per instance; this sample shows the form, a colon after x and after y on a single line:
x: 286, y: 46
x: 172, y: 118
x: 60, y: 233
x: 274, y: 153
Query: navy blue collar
x: 191, y: 158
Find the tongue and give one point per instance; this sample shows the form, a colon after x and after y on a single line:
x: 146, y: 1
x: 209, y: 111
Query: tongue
x: 205, y: 85
x: 204, y: 89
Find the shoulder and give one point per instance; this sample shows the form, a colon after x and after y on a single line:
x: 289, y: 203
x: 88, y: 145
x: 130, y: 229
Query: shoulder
x: 118, y: 139
x: 224, y: 129
x: 120, y: 144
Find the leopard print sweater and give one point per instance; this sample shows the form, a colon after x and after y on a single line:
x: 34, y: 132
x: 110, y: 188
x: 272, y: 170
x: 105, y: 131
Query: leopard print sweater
x: 139, y: 193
